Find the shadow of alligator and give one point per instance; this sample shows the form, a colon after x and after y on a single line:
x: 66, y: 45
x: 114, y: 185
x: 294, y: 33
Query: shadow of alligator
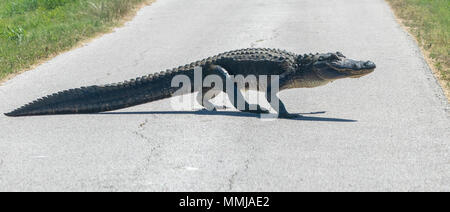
x: 231, y: 113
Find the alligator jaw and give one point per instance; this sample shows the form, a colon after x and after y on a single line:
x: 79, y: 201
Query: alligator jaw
x: 355, y: 69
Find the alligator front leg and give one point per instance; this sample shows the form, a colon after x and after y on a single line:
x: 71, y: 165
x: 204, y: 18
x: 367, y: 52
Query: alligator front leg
x: 277, y: 104
x: 235, y: 95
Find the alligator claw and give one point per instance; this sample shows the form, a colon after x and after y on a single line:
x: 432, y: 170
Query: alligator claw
x: 263, y: 111
x: 223, y: 107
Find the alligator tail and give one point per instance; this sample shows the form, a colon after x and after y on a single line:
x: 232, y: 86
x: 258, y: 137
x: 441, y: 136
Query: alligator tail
x: 94, y: 99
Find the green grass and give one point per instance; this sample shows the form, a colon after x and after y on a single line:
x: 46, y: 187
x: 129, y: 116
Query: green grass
x: 34, y: 30
x: 429, y: 22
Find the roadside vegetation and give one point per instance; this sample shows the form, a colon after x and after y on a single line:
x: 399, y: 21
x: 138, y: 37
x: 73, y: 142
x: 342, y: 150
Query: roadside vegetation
x: 429, y: 22
x: 32, y: 31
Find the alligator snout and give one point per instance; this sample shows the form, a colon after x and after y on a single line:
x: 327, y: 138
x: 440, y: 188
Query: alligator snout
x: 369, y: 64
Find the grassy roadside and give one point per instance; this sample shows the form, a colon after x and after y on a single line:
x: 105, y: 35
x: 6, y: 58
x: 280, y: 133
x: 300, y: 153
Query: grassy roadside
x: 429, y: 22
x: 32, y: 31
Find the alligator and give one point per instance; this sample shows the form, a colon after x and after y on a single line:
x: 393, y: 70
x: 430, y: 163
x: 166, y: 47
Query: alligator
x: 293, y: 70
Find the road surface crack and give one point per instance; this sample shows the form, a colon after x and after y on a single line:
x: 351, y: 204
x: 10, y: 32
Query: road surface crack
x: 147, y: 161
x: 274, y: 35
x: 143, y: 124
x: 232, y: 179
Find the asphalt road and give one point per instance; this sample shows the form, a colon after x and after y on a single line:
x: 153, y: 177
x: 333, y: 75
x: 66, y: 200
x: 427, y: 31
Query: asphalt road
x: 399, y: 139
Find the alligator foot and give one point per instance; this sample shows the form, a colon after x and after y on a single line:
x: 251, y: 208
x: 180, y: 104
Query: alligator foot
x: 259, y: 110
x: 206, y: 110
x: 215, y: 108
x: 223, y: 107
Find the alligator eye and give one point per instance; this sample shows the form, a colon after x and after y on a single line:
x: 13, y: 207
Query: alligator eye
x: 334, y: 57
x: 340, y: 54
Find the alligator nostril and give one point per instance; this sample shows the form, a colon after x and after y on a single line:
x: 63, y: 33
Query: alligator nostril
x: 369, y: 64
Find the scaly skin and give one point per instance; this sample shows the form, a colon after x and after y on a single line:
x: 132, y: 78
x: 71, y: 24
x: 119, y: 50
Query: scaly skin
x: 295, y: 71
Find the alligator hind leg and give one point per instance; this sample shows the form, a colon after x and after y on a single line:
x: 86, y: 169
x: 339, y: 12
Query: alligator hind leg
x: 235, y: 95
x: 206, y: 95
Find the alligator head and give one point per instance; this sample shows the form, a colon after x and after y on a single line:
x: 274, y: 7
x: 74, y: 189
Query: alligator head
x: 331, y: 66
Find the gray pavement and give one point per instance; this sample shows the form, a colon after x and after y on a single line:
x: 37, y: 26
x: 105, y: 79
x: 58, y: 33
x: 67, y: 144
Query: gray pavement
x: 399, y: 141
